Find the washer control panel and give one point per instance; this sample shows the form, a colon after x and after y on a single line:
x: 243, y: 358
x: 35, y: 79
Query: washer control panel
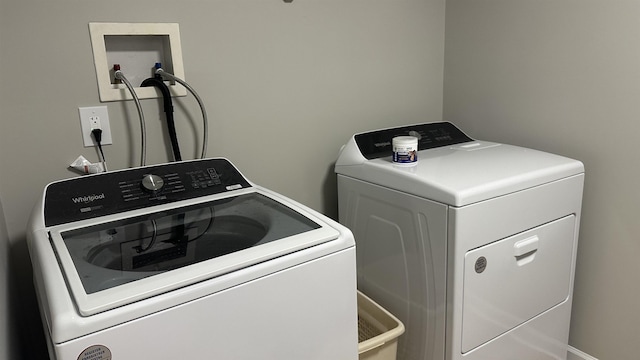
x: 114, y: 192
x: 377, y: 144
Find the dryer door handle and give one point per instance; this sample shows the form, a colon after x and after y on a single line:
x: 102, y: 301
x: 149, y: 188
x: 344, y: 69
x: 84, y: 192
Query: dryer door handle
x: 526, y: 247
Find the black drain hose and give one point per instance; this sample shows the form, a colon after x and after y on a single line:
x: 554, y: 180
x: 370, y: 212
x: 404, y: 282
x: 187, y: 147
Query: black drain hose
x: 168, y: 110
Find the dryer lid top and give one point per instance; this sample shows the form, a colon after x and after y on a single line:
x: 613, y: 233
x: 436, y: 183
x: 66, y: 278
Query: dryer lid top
x: 457, y: 170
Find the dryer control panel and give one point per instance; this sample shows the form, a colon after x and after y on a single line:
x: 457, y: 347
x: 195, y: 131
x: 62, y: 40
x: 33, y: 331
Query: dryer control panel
x: 377, y: 144
x: 114, y: 192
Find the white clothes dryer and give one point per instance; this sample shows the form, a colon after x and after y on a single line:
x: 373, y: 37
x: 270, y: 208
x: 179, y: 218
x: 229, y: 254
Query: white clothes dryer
x: 190, y: 260
x: 473, y: 247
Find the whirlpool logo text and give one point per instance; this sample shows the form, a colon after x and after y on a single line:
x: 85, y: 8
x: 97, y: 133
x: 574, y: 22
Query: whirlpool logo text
x: 87, y: 199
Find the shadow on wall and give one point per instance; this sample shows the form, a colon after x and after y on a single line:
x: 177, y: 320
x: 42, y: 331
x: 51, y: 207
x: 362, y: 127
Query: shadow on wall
x: 31, y: 343
x: 330, y: 194
x: 9, y: 298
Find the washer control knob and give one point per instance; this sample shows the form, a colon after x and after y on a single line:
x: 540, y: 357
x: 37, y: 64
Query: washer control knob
x: 152, y: 183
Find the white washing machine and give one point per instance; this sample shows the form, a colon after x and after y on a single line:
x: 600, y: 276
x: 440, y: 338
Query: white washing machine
x: 473, y: 247
x: 190, y: 260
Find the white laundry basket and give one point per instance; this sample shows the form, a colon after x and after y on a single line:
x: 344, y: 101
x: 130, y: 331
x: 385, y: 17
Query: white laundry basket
x: 378, y: 331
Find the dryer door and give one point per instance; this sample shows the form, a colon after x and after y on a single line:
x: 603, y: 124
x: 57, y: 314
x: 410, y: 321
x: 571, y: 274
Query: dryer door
x: 515, y: 279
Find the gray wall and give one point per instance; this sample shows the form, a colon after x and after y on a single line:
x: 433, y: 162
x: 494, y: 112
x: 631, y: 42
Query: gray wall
x: 285, y: 86
x: 564, y: 76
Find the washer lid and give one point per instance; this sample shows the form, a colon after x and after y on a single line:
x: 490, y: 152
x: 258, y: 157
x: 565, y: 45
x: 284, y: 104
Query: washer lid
x: 113, y: 263
x: 456, y: 171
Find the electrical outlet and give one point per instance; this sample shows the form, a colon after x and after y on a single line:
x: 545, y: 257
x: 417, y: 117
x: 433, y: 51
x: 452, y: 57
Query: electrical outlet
x: 94, y: 118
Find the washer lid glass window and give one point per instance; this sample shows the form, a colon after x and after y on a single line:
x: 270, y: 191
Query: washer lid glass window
x: 114, y: 263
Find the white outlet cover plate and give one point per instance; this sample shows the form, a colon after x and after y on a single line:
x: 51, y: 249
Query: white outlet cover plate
x: 86, y: 113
